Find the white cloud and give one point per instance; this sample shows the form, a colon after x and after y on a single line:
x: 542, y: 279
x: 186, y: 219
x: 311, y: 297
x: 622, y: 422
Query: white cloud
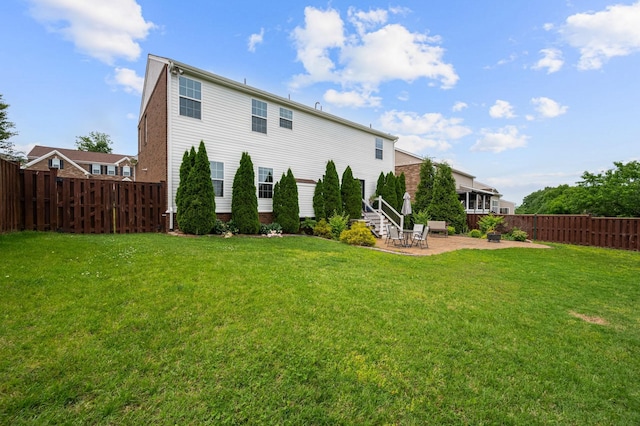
x: 351, y: 99
x: 602, y: 35
x: 459, y: 106
x: 548, y: 108
x: 103, y: 30
x: 129, y: 80
x: 501, y: 109
x: 551, y: 60
x: 501, y: 140
x: 419, y: 132
x: 255, y: 39
x: 361, y: 60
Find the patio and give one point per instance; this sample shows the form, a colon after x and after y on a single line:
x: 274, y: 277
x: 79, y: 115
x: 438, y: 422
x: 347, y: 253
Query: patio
x: 439, y: 245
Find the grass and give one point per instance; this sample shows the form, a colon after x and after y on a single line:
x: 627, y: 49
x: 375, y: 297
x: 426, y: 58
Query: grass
x: 156, y: 329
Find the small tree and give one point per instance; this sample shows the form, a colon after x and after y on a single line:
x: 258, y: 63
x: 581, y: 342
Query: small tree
x: 95, y: 142
x: 332, y: 199
x: 198, y: 200
x: 7, y: 149
x: 401, y: 188
x: 244, y: 201
x: 380, y: 184
x: 424, y: 192
x: 318, y: 201
x: 444, y: 203
x: 286, y: 211
x: 389, y: 190
x: 188, y: 161
x: 351, y: 194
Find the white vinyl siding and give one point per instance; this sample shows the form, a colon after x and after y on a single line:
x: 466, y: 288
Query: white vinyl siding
x: 226, y: 131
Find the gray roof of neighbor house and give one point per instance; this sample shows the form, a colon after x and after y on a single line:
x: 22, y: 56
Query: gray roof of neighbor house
x: 84, y: 157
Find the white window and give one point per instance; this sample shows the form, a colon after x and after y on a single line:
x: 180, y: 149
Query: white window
x: 265, y: 182
x: 111, y: 170
x: 217, y: 177
x: 126, y: 171
x: 258, y: 116
x: 55, y: 163
x: 190, y: 97
x: 95, y: 169
x: 286, y: 118
x: 379, y: 145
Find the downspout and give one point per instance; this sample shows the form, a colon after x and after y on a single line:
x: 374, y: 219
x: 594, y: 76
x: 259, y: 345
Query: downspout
x: 169, y: 146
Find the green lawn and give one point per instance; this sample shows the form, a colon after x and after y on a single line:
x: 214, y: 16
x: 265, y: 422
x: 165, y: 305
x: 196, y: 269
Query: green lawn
x: 157, y: 329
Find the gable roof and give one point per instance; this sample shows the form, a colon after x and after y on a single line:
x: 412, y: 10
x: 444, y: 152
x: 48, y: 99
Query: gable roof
x: 38, y: 152
x: 153, y: 72
x: 51, y: 154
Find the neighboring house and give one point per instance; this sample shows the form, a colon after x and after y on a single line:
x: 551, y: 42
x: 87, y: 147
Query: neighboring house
x: 82, y: 164
x: 183, y: 105
x: 476, y: 197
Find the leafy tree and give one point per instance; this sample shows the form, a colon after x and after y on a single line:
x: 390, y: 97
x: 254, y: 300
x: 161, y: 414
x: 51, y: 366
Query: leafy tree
x: 351, y: 194
x: 444, y: 203
x: 198, y: 199
x: 244, y: 201
x: 188, y: 161
x: 318, y: 201
x: 331, y: 190
x: 615, y: 192
x: 551, y: 200
x: 286, y: 210
x: 389, y: 193
x: 95, y: 142
x: 7, y: 149
x: 424, y: 192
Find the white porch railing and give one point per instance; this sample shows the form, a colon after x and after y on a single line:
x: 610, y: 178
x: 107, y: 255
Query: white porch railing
x: 382, y: 212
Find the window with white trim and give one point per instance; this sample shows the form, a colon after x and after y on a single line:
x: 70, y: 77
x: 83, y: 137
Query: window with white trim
x: 379, y: 148
x: 111, y: 170
x: 96, y: 169
x: 56, y: 163
x: 286, y: 118
x: 258, y: 116
x: 265, y: 182
x: 190, y: 98
x: 126, y: 171
x: 217, y: 177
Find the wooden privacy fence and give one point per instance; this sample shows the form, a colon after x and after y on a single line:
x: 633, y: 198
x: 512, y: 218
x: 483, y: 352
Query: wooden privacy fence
x: 76, y: 205
x: 609, y: 232
x: 10, y: 211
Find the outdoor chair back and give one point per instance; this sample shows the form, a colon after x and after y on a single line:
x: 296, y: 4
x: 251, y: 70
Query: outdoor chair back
x: 421, y: 239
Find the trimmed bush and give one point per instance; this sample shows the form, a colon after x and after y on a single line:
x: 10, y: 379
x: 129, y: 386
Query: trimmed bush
x: 285, y: 203
x: 518, y: 235
x: 331, y: 189
x: 358, y: 235
x: 338, y: 223
x: 475, y: 233
x: 244, y: 201
x: 323, y: 229
x: 198, y: 199
x: 318, y: 201
x: 351, y: 193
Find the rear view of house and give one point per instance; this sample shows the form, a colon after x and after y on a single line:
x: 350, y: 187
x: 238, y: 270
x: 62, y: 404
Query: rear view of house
x: 183, y: 105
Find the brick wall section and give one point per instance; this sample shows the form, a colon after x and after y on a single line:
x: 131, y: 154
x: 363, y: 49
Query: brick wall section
x: 412, y: 177
x: 152, y: 141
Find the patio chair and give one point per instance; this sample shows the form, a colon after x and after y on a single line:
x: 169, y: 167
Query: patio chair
x: 421, y: 239
x: 388, y: 237
x: 417, y: 229
x: 395, y: 236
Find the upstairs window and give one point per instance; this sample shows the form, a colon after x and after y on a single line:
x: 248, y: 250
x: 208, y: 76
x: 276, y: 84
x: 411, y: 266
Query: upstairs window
x: 379, y: 146
x: 126, y: 171
x: 265, y: 182
x: 286, y: 118
x: 258, y: 116
x: 95, y: 169
x: 111, y: 170
x: 56, y: 163
x: 217, y: 177
x: 190, y: 98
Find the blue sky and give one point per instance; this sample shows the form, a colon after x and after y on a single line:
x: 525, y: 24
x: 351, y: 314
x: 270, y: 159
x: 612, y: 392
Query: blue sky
x: 521, y: 94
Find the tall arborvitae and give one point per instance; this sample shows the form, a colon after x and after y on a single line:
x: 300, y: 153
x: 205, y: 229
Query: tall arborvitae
x: 198, y: 200
x: 351, y: 194
x: 424, y: 193
x: 380, y: 184
x: 244, y: 201
x: 276, y: 199
x: 185, y: 168
x: 332, y: 199
x: 445, y: 204
x: 288, y: 212
x: 318, y: 201
x: 401, y: 188
x: 389, y: 190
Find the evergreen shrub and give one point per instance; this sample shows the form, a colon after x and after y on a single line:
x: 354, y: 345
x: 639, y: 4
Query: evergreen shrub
x: 323, y: 229
x: 358, y: 235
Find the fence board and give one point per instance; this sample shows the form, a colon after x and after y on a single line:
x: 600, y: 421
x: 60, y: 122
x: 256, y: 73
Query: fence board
x: 609, y: 232
x: 11, y: 211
